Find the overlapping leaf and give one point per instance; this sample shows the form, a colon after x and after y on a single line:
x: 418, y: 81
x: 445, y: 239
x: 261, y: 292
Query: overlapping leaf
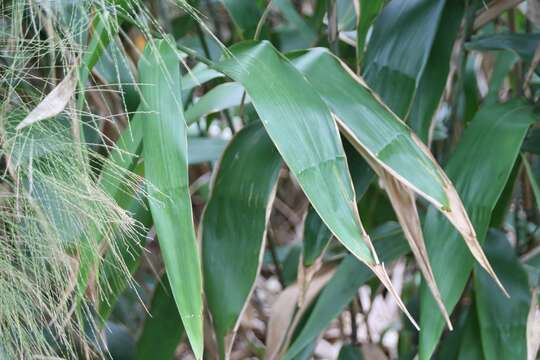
x: 302, y: 128
x: 394, y: 152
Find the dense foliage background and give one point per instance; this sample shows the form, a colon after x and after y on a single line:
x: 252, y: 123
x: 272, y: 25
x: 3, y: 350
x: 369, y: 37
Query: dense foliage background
x: 270, y: 179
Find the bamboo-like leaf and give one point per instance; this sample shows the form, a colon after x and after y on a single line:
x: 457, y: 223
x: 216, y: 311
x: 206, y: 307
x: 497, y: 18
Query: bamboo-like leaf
x: 495, y: 134
x: 524, y: 45
x: 343, y: 286
x: 350, y: 352
x: 431, y: 85
x: 386, y: 142
x: 54, y: 103
x: 234, y: 227
x: 301, y: 126
x: 503, y: 321
x: 399, y: 48
x: 162, y: 330
x: 316, y: 237
x: 534, y: 182
x: 166, y: 168
x: 219, y: 98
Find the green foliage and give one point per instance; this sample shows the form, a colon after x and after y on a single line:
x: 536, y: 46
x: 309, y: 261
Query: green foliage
x: 285, y: 199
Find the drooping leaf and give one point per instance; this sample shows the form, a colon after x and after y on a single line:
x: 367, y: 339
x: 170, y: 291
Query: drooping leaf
x: 302, y: 128
x: 495, y: 134
x: 502, y: 320
x: 166, y: 168
x: 316, y: 237
x: 343, y: 286
x: 386, y: 142
x: 399, y: 48
x: 162, y: 330
x: 234, y: 227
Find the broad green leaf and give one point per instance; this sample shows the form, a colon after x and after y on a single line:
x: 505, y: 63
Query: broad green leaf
x: 301, y: 127
x: 166, y: 168
x: 219, y: 98
x: 385, y: 141
x: 234, y: 227
x: 162, y: 330
x: 502, y: 320
x: 433, y: 80
x: 495, y: 134
x: 347, y: 14
x: 399, y: 48
x: 343, y: 286
x: 304, y: 132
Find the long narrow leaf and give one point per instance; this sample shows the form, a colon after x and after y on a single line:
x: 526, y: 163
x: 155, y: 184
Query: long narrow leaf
x: 234, y: 227
x: 386, y: 142
x: 166, y: 168
x: 495, y: 134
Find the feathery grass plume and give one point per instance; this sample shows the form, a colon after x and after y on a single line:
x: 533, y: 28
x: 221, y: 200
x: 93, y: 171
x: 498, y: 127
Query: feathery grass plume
x: 52, y: 208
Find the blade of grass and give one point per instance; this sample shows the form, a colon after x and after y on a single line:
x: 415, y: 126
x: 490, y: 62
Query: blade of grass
x: 166, y: 168
x: 234, y: 226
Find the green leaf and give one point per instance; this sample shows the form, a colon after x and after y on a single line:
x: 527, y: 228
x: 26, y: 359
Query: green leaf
x: 399, y: 48
x: 166, y: 168
x: 433, y: 80
x: 301, y: 126
x: 343, y: 286
x: 201, y: 150
x: 503, y: 321
x: 503, y: 65
x: 387, y: 143
x: 470, y: 347
x: 162, y: 330
x: 219, y: 98
x: 495, y: 134
x: 297, y: 34
x: 532, y: 178
x: 234, y: 227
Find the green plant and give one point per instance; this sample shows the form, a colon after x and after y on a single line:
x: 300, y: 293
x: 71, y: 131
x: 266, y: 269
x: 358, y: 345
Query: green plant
x: 226, y: 179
